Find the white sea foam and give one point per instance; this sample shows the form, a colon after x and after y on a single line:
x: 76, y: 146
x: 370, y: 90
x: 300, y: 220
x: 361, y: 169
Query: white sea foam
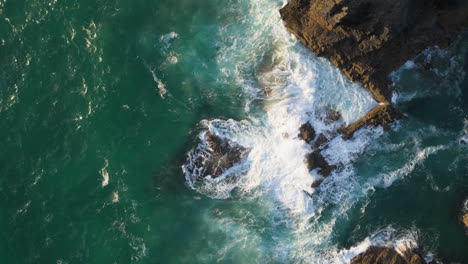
x: 161, y: 87
x: 115, y: 197
x: 463, y: 138
x: 431, y: 68
x: 387, y: 179
x: 166, y: 43
x: 105, y: 174
x: 167, y: 39
x: 401, y: 241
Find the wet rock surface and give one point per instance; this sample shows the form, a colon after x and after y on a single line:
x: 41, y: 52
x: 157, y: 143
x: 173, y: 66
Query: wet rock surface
x: 383, y: 255
x: 368, y: 39
x: 307, y: 132
x: 464, y: 214
x: 222, y: 155
x: 382, y: 115
x: 315, y: 160
x: 320, y: 141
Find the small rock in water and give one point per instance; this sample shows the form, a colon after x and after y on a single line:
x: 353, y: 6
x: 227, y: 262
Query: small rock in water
x: 315, y: 160
x: 224, y: 155
x: 321, y: 139
x: 316, y: 183
x: 306, y: 132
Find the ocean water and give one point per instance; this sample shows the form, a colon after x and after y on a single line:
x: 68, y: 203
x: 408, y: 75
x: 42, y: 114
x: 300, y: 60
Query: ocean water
x: 103, y: 105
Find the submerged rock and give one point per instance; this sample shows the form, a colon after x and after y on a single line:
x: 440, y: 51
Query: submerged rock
x: 331, y: 116
x: 222, y: 155
x: 315, y: 159
x: 306, y: 132
x: 383, y: 255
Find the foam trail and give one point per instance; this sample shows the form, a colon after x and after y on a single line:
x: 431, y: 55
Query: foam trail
x: 389, y: 178
x: 159, y: 84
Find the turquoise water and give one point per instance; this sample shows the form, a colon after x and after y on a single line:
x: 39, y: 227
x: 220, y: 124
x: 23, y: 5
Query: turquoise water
x: 100, y: 101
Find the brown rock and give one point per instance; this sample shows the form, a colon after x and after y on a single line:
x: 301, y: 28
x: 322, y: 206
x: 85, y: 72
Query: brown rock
x: 307, y: 132
x: 223, y: 155
x: 316, y: 183
x: 367, y: 40
x: 382, y: 255
x: 315, y: 160
x: 380, y: 115
x: 465, y: 219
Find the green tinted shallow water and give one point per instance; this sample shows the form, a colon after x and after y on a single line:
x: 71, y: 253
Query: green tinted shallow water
x: 90, y: 153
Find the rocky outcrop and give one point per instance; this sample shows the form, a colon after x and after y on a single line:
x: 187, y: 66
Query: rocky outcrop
x: 368, y: 39
x: 315, y: 160
x: 382, y: 115
x: 222, y: 155
x: 383, y: 255
x: 306, y: 132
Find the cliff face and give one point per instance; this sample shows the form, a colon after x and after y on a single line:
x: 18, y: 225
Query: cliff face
x: 368, y: 39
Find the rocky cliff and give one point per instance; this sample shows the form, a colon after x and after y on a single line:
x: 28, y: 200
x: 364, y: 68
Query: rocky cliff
x: 382, y: 255
x: 368, y: 39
